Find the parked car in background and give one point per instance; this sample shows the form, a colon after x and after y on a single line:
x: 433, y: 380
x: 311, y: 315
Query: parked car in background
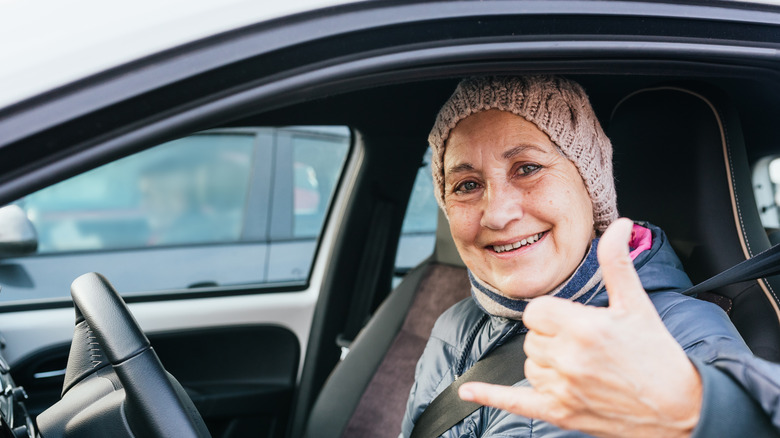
x: 252, y: 177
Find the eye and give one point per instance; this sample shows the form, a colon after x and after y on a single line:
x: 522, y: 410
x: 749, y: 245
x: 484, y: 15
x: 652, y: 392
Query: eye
x: 528, y: 169
x: 466, y: 187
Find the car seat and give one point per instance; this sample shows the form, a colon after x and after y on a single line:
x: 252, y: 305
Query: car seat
x: 366, y: 393
x: 680, y: 163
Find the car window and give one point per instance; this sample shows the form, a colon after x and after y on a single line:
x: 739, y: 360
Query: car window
x: 218, y: 208
x: 418, y: 232
x: 317, y: 157
x: 187, y: 191
x: 766, y: 186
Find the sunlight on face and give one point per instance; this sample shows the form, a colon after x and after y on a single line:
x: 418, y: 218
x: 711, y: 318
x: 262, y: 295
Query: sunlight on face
x: 519, y: 211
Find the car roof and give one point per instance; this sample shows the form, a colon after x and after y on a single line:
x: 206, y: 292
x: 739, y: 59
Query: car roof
x: 54, y: 43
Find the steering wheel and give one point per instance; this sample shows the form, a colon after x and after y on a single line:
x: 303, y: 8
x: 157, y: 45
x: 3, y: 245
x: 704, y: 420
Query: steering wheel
x: 115, y: 383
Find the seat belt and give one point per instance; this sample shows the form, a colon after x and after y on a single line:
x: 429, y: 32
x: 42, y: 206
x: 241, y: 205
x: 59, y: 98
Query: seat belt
x: 764, y: 264
x: 504, y: 365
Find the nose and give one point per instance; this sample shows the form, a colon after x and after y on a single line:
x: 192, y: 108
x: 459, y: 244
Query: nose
x: 502, y: 205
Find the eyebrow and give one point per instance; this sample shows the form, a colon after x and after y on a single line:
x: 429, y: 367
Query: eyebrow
x: 517, y: 150
x: 511, y: 153
x: 459, y: 168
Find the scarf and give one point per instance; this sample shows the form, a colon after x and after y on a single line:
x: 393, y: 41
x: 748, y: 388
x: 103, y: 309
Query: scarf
x: 580, y: 287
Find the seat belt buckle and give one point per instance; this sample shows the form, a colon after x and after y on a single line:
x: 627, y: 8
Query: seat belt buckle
x: 343, y: 343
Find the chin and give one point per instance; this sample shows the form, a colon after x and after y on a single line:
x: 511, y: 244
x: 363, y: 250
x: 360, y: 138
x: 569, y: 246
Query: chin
x: 530, y: 291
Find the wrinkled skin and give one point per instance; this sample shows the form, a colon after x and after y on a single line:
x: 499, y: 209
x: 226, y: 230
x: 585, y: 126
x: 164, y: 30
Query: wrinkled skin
x: 609, y: 372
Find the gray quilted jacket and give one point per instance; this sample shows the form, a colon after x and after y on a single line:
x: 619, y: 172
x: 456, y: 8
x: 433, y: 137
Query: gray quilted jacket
x: 702, y: 329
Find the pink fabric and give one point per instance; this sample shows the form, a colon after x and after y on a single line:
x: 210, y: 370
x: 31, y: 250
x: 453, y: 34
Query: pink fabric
x: 641, y: 240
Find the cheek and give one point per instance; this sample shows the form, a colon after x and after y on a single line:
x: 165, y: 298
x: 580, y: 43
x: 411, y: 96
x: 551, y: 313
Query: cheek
x: 584, y: 205
x: 464, y: 223
x: 579, y: 216
x: 550, y: 200
x: 565, y: 197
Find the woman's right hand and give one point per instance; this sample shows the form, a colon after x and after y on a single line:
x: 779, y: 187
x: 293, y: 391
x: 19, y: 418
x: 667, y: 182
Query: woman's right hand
x: 608, y: 372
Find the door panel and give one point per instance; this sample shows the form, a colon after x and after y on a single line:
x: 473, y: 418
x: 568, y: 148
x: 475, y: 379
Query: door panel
x: 240, y: 378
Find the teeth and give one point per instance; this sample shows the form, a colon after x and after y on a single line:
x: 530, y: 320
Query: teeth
x: 503, y: 248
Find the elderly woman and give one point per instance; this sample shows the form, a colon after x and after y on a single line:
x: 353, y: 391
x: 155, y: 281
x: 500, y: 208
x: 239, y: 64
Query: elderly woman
x: 523, y: 171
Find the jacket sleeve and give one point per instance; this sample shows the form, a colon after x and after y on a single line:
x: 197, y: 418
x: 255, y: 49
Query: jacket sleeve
x: 741, y: 393
x: 728, y: 409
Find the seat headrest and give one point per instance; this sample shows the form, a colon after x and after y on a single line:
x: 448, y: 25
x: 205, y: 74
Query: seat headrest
x: 669, y: 145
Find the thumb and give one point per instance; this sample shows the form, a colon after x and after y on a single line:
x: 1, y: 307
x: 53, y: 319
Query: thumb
x: 623, y: 286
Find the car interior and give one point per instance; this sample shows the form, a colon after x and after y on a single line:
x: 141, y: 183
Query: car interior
x: 689, y: 132
x: 683, y: 149
x: 680, y: 162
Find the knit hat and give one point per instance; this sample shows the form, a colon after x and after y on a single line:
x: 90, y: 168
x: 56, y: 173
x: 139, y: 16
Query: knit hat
x: 558, y: 107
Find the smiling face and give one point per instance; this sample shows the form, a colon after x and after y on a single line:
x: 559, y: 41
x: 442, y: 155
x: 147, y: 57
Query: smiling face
x: 519, y: 211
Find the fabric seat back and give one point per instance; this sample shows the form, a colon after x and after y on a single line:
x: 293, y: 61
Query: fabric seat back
x: 366, y: 393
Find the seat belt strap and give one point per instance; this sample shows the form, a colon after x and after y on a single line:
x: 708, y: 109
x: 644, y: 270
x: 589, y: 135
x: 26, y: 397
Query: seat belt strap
x: 764, y: 264
x: 504, y: 365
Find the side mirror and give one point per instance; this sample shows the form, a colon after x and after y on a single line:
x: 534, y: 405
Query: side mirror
x: 17, y: 233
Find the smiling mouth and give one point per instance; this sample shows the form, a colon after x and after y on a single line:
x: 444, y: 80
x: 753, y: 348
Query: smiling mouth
x: 511, y: 246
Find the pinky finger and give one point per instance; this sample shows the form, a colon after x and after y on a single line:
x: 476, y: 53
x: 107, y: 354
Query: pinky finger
x: 517, y: 400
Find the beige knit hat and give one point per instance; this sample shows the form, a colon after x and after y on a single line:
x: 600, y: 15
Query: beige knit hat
x: 558, y: 107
